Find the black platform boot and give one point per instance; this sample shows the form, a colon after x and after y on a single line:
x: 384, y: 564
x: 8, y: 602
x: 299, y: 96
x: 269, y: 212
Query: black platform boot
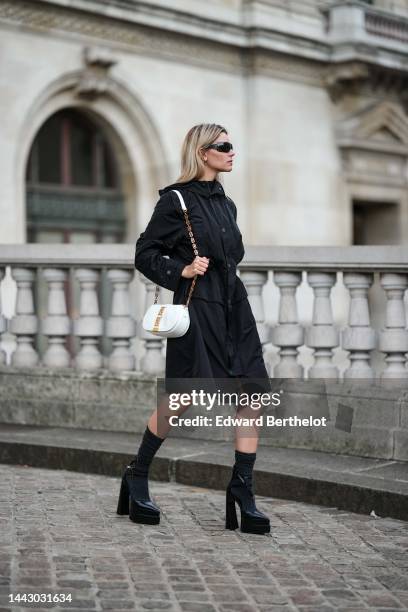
x: 240, y: 490
x: 135, y: 484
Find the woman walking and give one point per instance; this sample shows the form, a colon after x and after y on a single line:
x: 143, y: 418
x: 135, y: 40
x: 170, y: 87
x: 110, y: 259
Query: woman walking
x: 222, y: 340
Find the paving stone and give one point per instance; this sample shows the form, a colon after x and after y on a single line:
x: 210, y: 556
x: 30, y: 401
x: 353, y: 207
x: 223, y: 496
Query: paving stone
x: 155, y: 604
x: 192, y: 596
x: 75, y: 584
x: 77, y: 603
x: 303, y: 597
x: 392, y: 581
x: 199, y: 607
x: 236, y: 607
x: 402, y: 597
x: 381, y: 600
x: 323, y: 608
x: 116, y: 605
x: 274, y: 608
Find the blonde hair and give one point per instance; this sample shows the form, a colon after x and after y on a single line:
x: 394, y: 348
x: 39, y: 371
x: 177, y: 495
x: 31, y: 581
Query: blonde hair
x: 199, y: 136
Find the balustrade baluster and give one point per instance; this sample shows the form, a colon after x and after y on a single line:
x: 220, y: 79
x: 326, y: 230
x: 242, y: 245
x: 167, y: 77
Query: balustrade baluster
x: 24, y: 324
x: 288, y: 334
x: 121, y: 327
x: 322, y: 336
x: 254, y: 283
x: 89, y: 326
x: 358, y: 337
x: 56, y: 325
x: 153, y: 361
x: 393, y: 339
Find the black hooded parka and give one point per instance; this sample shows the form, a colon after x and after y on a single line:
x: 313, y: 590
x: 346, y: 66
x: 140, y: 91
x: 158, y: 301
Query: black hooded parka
x: 223, y: 339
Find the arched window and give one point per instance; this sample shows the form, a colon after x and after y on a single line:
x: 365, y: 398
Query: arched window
x: 73, y: 184
x: 73, y: 195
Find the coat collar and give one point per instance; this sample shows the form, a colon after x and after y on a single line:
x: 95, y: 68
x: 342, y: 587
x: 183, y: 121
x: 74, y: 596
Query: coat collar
x: 205, y: 189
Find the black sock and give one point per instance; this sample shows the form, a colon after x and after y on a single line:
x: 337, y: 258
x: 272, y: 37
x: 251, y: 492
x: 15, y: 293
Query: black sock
x: 140, y: 464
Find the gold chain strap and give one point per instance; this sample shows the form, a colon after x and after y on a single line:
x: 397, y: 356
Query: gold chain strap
x: 193, y: 243
x: 156, y: 325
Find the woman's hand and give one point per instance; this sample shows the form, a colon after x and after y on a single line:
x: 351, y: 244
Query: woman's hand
x: 198, y: 266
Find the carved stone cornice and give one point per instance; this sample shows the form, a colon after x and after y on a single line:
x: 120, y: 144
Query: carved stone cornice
x: 232, y: 56
x: 119, y: 35
x: 363, y: 78
x: 233, y: 48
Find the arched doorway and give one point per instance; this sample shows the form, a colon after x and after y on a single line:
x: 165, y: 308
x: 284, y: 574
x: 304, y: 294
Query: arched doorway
x: 73, y: 195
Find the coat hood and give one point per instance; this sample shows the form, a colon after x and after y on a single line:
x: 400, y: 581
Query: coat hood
x: 205, y: 189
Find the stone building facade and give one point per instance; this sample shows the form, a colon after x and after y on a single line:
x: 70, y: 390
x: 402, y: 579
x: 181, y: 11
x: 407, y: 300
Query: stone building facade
x: 97, y: 96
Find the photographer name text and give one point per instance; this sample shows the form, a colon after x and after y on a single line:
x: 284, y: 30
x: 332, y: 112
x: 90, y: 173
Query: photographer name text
x: 260, y: 421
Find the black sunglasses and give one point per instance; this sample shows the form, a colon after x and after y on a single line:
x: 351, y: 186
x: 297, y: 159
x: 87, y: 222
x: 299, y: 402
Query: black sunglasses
x: 222, y: 147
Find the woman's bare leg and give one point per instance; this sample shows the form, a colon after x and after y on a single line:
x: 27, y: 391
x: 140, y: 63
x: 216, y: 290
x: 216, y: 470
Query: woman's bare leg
x: 159, y: 420
x: 246, y: 437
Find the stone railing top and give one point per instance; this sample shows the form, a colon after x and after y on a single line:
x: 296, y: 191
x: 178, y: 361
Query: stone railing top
x: 387, y: 258
x: 380, y: 258
x: 393, y: 14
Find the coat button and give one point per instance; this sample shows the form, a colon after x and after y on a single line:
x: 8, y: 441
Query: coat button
x: 223, y: 229
x: 229, y: 265
x: 168, y: 272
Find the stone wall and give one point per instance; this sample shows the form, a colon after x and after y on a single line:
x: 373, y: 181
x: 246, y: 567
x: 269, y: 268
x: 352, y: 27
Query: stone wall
x: 364, y: 418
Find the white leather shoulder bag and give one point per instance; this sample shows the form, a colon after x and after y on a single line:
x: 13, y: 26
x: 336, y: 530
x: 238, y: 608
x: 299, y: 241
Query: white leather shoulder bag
x: 171, y: 320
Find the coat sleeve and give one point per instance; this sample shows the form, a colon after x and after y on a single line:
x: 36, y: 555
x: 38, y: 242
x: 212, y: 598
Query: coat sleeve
x: 233, y: 207
x: 232, y: 204
x: 156, y: 243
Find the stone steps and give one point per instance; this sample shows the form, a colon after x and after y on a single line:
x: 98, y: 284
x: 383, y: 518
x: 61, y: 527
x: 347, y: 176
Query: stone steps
x: 356, y: 484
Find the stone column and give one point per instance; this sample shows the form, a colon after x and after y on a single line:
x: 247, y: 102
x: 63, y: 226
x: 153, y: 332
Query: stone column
x: 3, y: 322
x: 24, y: 324
x: 89, y: 326
x: 152, y: 362
x: 393, y: 339
x: 254, y: 283
x: 358, y: 337
x: 288, y: 334
x: 322, y: 335
x: 121, y: 327
x: 56, y: 325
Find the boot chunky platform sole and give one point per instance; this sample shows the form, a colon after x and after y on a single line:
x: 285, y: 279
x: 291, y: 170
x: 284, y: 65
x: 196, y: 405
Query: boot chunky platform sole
x: 139, y: 511
x: 252, y: 520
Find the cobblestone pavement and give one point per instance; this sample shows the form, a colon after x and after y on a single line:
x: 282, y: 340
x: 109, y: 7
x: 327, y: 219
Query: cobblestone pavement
x: 59, y: 533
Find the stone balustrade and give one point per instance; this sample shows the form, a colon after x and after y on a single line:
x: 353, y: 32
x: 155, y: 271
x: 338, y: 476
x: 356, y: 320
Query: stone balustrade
x: 277, y: 280
x: 387, y: 26
x: 382, y: 24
